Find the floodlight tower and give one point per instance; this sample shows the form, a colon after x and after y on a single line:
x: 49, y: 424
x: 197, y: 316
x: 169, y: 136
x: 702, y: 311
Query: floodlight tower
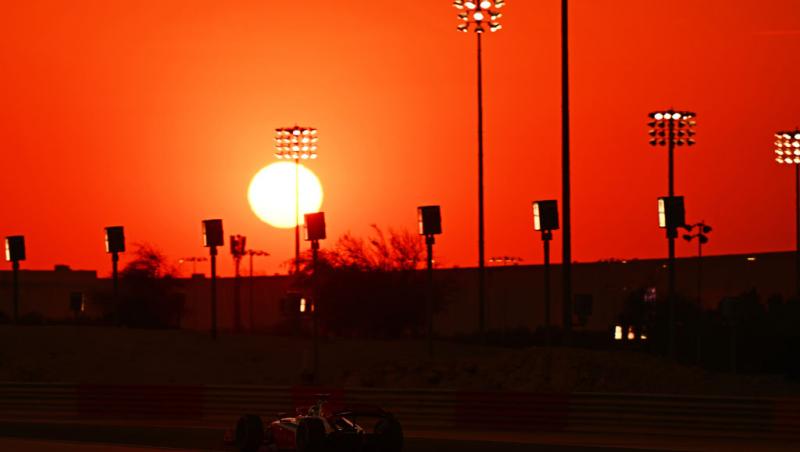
x: 430, y: 225
x: 545, y: 219
x: 787, y: 150
x: 296, y: 143
x: 479, y: 15
x: 671, y: 128
x: 15, y: 252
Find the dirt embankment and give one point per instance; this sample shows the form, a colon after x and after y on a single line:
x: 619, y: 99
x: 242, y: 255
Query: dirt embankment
x: 118, y: 355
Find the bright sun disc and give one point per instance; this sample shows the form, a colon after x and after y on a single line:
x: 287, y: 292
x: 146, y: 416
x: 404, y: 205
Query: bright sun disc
x: 272, y: 194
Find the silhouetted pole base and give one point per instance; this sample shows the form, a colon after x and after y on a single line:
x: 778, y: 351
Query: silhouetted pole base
x: 237, y: 299
x: 252, y: 315
x: 671, y: 234
x: 115, y: 287
x: 797, y: 226
x: 429, y: 241
x: 546, y: 237
x: 314, y: 307
x: 15, y: 269
x: 213, y: 252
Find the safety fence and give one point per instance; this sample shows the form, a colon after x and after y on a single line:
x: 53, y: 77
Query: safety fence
x: 418, y: 409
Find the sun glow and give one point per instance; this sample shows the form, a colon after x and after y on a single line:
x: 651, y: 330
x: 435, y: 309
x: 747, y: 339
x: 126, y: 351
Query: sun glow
x: 272, y: 194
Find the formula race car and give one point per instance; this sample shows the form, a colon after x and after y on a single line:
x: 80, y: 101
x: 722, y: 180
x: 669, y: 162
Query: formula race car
x: 319, y: 428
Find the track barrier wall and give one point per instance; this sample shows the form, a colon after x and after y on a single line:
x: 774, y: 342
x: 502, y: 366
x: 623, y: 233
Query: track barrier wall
x: 421, y: 409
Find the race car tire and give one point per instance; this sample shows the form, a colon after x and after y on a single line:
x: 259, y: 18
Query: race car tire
x: 310, y: 435
x: 388, y: 435
x: 249, y: 433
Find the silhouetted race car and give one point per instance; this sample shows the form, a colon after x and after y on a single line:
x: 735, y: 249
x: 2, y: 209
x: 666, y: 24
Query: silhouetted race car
x: 319, y: 428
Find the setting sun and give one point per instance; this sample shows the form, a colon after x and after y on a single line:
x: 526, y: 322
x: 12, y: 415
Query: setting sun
x: 272, y: 194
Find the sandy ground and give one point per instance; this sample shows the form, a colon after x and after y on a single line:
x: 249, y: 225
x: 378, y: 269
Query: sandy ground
x: 119, y: 355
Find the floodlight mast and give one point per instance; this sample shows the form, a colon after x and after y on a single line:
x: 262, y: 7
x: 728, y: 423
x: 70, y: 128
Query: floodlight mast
x: 296, y: 143
x: 679, y: 131
x: 474, y: 15
x: 787, y: 150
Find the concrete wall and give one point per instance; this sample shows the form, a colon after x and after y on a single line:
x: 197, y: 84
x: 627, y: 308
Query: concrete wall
x: 514, y: 293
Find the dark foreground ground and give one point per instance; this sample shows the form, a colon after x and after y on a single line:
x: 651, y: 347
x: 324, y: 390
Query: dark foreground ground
x: 207, y: 439
x: 47, y: 437
x: 83, y: 354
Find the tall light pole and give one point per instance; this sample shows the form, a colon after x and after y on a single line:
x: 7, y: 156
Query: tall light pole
x: 315, y: 231
x: 545, y: 219
x: 566, y: 196
x: 238, y: 245
x: 787, y: 150
x: 252, y: 253
x: 671, y: 128
x: 212, y: 238
x: 115, y: 244
x: 430, y: 225
x: 479, y: 15
x: 296, y: 143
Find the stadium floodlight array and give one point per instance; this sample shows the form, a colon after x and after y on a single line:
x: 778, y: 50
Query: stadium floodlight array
x: 675, y: 127
x: 787, y: 147
x: 479, y: 14
x: 296, y: 143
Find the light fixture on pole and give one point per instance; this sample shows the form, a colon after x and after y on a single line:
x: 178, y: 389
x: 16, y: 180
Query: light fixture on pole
x: 787, y: 150
x: 212, y: 238
x: 296, y: 143
x: 238, y: 247
x: 315, y: 231
x: 430, y: 225
x: 671, y: 128
x: 545, y: 219
x: 504, y: 261
x: 252, y: 253
x: 15, y: 252
x: 477, y: 15
x: 701, y: 234
x: 115, y: 244
x: 194, y: 260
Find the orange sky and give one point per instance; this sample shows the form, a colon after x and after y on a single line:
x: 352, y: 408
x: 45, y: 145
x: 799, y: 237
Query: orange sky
x: 156, y: 114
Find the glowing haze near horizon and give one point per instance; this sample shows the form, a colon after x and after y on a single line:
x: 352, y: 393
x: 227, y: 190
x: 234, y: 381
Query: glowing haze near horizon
x: 156, y: 115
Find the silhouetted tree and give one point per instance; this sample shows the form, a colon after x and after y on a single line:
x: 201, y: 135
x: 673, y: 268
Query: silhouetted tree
x: 148, y: 296
x: 373, y: 286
